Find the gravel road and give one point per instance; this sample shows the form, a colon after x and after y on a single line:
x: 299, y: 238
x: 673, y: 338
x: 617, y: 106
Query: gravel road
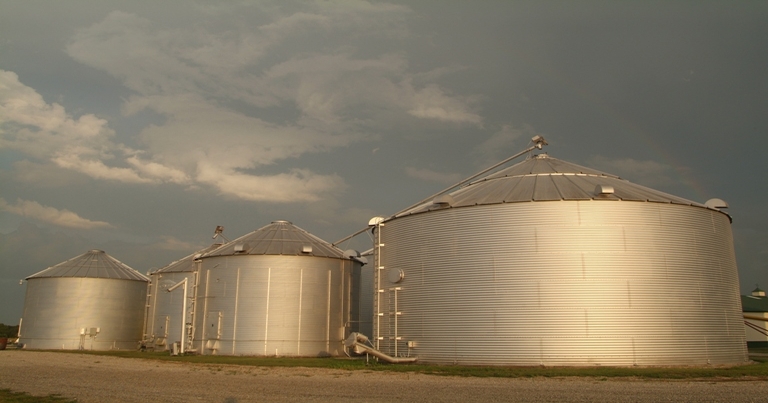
x: 109, y: 379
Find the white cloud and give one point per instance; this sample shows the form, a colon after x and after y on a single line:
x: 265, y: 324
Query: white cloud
x: 44, y: 174
x: 30, y: 125
x: 172, y: 243
x: 247, y: 64
x: 238, y: 99
x: 95, y: 168
x: 433, y: 176
x: 51, y: 215
x: 432, y: 102
x: 47, y: 132
x: 295, y: 186
x: 160, y: 171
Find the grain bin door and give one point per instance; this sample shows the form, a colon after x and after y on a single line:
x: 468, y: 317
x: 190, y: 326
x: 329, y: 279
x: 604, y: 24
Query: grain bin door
x: 213, y: 330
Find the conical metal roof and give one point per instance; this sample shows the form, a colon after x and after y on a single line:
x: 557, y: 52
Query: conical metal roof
x: 187, y: 263
x: 278, y: 238
x: 543, y: 178
x: 92, y: 264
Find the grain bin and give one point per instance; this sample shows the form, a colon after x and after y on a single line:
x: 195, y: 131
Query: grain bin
x: 550, y: 263
x: 276, y: 291
x: 163, y: 323
x: 92, y: 302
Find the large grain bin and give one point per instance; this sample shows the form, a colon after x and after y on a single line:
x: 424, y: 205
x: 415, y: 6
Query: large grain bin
x: 92, y: 302
x: 551, y: 263
x: 276, y: 291
x: 163, y: 323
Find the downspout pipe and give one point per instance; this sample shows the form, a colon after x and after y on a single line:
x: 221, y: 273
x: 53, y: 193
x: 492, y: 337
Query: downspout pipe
x: 356, y: 341
x: 183, y: 340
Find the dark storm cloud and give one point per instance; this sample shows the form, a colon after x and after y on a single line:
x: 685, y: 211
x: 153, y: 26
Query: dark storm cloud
x: 142, y: 125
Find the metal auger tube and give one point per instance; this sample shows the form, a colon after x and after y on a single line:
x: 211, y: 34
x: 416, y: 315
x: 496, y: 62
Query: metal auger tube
x: 357, y: 341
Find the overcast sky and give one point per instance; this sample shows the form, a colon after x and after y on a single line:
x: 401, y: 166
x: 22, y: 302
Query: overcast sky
x: 136, y: 127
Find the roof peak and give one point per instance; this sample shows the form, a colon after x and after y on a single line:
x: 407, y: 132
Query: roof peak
x: 545, y: 178
x: 92, y: 264
x: 278, y: 238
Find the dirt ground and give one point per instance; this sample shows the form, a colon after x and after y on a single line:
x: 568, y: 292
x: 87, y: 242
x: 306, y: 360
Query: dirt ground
x: 109, y: 379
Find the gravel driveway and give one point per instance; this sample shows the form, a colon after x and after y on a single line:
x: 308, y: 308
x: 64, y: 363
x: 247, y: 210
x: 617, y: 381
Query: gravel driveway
x: 109, y: 379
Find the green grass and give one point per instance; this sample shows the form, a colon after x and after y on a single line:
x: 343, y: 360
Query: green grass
x: 6, y: 395
x: 756, y: 370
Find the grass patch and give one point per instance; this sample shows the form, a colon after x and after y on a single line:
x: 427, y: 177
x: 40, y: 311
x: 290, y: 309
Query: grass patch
x: 6, y: 395
x: 756, y: 370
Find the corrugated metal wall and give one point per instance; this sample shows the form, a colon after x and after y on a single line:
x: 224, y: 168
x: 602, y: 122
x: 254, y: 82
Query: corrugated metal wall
x: 272, y: 305
x: 56, y: 308
x: 164, y: 313
x: 562, y: 283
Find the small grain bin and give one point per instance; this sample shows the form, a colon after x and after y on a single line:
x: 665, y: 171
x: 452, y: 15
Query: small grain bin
x: 92, y: 302
x: 550, y: 263
x: 276, y: 291
x: 163, y: 323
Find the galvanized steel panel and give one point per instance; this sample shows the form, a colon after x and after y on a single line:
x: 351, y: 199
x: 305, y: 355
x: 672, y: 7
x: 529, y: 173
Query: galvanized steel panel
x: 278, y: 238
x: 273, y: 305
x: 92, y: 264
x: 56, y: 309
x: 596, y: 282
x: 543, y: 178
x: 163, y: 319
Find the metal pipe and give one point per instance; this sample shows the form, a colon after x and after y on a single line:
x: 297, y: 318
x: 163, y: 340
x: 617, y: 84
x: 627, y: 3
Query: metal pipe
x: 377, y: 282
x: 756, y: 328
x: 356, y: 342
x: 147, y: 316
x: 205, y: 311
x: 183, y: 312
x: 237, y: 304
x: 328, y: 316
x: 266, y: 310
x: 301, y: 294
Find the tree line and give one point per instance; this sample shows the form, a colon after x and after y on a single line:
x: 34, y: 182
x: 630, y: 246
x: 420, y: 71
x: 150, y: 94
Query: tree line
x: 8, y: 330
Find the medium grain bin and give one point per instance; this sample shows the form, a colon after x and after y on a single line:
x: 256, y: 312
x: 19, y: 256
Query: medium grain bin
x: 163, y: 323
x: 550, y: 263
x: 92, y: 302
x: 276, y: 291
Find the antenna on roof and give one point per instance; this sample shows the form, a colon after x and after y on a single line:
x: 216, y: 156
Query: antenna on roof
x: 218, y: 231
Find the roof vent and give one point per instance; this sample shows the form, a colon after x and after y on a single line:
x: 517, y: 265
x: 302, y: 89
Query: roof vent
x: 351, y: 253
x: 306, y: 249
x: 443, y: 201
x: 603, y: 190
x: 716, y: 203
x: 375, y: 221
x: 241, y: 247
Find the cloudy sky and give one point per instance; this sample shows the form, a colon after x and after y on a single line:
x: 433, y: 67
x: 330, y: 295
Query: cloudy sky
x: 137, y: 127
